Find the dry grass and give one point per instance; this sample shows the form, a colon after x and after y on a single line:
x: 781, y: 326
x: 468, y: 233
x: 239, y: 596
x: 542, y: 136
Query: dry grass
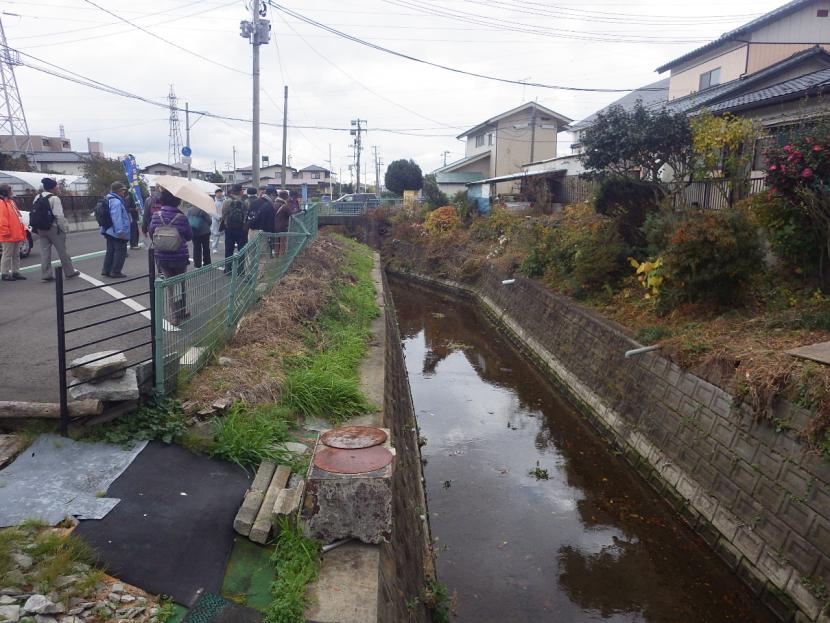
x: 274, y: 329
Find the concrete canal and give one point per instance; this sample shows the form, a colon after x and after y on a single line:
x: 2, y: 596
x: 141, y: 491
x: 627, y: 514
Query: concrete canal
x: 582, y: 538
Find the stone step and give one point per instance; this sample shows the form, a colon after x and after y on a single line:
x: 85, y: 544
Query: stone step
x: 262, y: 525
x: 253, y: 498
x: 288, y: 503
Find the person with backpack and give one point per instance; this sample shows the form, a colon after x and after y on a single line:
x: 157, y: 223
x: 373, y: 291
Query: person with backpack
x: 200, y: 224
x: 151, y: 206
x: 234, y: 212
x: 12, y: 233
x: 48, y: 220
x: 111, y: 214
x: 170, y: 232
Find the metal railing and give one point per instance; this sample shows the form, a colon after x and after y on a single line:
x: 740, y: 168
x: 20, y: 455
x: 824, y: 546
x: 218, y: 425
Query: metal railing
x: 355, y: 208
x: 197, y: 312
x: 96, y: 322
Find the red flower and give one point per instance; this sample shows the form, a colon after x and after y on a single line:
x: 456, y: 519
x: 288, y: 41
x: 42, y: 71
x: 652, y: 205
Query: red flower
x: 773, y: 167
x: 816, y: 147
x: 807, y: 173
x: 788, y: 148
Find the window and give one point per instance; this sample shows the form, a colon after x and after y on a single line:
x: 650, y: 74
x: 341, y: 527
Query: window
x: 479, y: 140
x: 759, y: 158
x: 822, y: 13
x: 709, y: 79
x: 315, y: 175
x: 297, y: 175
x: 490, y: 138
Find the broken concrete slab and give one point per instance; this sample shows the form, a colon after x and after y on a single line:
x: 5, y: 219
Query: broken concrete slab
x: 247, y: 513
x: 819, y: 352
x: 288, y: 503
x: 262, y: 525
x: 193, y: 356
x: 113, y: 390
x: 92, y: 367
x: 294, y: 447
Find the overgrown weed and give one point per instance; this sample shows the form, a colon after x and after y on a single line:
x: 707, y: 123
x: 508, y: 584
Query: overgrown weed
x: 296, y: 560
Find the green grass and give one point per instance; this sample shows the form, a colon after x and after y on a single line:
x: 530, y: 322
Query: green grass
x: 296, y: 561
x: 248, y: 435
x: 160, y: 419
x: 325, y: 381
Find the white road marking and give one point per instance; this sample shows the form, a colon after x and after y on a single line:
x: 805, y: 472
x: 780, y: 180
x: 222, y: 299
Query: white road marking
x: 83, y: 256
x: 131, y: 303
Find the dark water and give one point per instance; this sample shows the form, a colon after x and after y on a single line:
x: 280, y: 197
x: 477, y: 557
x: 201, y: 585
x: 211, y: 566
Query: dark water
x: 591, y: 543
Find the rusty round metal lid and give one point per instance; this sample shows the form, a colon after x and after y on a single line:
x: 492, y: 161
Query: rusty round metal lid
x: 352, y: 461
x: 351, y: 437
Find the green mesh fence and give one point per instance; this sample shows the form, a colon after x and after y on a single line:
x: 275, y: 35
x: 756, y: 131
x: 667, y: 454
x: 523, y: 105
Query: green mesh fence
x: 196, y: 312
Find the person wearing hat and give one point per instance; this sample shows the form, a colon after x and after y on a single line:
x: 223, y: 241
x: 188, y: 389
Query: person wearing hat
x: 55, y: 236
x: 12, y: 233
x: 118, y: 234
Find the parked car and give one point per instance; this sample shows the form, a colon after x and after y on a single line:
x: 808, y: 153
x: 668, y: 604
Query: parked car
x: 26, y: 246
x: 355, y: 203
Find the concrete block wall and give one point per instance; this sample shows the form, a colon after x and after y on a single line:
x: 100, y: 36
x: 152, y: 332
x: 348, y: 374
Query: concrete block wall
x: 406, y: 563
x: 757, y: 496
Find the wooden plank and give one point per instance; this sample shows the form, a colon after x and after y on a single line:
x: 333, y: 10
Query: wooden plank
x: 50, y: 410
x: 814, y: 352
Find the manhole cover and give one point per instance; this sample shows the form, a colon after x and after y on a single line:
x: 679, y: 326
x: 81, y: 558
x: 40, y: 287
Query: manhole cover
x: 354, y: 461
x: 351, y: 437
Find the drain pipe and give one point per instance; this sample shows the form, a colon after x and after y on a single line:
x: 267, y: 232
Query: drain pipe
x: 327, y: 548
x: 508, y: 282
x: 639, y: 351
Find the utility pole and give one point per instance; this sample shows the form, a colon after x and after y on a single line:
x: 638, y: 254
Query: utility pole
x: 445, y: 154
x: 187, y: 136
x: 377, y: 171
x: 532, y: 132
x: 234, y: 164
x: 284, y: 133
x: 258, y: 32
x: 358, y: 145
x: 330, y: 175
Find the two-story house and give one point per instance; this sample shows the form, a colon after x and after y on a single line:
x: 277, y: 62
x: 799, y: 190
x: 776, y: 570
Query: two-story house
x: 315, y: 177
x: 500, y: 146
x: 176, y: 170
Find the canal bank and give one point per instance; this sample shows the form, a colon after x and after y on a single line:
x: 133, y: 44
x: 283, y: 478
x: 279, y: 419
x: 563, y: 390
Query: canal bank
x: 740, y: 485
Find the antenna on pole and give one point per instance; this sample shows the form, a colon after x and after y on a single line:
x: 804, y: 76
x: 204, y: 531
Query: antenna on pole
x: 13, y: 119
x: 174, y: 145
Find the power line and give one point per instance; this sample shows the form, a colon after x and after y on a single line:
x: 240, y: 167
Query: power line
x: 162, y: 39
x: 440, y: 66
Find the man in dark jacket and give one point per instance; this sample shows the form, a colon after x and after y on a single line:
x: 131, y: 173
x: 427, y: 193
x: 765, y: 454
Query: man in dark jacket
x: 132, y: 210
x: 200, y: 224
x: 234, y: 212
x: 261, y: 218
x: 172, y: 263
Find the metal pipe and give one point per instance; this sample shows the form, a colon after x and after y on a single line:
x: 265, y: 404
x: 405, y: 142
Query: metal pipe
x: 639, y: 351
x: 61, y: 351
x: 508, y: 282
x: 327, y: 548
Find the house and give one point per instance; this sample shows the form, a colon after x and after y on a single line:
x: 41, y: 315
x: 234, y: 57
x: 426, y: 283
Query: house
x: 268, y: 174
x: 177, y: 169
x: 758, y: 44
x: 313, y: 176
x: 500, y: 145
x: 36, y: 142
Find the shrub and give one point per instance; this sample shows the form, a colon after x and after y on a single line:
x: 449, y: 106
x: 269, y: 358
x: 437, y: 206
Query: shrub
x: 434, y: 196
x: 500, y: 222
x: 442, y: 221
x: 629, y: 202
x: 711, y: 257
x: 580, y: 253
x: 657, y: 230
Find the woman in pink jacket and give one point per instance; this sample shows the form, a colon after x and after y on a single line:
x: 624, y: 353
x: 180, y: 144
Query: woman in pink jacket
x: 12, y: 233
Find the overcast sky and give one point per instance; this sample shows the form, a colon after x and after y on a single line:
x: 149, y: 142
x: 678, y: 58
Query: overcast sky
x: 607, y: 44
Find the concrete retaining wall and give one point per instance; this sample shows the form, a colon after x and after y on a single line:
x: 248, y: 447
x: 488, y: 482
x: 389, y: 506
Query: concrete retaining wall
x: 755, y: 495
x: 406, y: 564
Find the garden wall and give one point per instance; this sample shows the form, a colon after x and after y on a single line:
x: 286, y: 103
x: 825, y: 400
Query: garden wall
x: 406, y: 564
x: 755, y: 495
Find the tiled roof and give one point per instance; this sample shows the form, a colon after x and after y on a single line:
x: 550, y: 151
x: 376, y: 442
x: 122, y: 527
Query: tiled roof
x: 458, y: 178
x: 789, y: 89
x: 773, y: 15
x: 464, y: 161
x: 648, y: 95
x: 314, y: 167
x: 709, y: 96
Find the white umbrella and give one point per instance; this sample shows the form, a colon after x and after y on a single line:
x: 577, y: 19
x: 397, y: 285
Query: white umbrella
x: 186, y: 190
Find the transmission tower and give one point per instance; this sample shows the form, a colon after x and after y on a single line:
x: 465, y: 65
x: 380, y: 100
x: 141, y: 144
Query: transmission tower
x: 174, y: 147
x: 13, y: 119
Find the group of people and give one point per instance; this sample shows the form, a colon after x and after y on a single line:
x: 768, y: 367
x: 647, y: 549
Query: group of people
x: 13, y: 234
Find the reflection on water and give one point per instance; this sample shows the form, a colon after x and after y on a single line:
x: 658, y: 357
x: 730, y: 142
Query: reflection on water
x: 590, y: 543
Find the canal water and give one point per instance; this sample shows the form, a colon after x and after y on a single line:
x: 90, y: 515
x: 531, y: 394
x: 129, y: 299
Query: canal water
x: 581, y: 539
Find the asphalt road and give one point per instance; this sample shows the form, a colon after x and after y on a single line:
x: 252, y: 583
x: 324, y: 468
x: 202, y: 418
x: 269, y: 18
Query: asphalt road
x: 28, y: 325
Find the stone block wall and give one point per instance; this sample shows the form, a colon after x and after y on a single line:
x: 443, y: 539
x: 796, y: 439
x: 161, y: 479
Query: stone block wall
x: 757, y: 496
x: 406, y: 565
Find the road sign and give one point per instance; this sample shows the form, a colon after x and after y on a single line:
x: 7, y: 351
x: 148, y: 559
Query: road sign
x: 186, y: 159
x: 186, y: 151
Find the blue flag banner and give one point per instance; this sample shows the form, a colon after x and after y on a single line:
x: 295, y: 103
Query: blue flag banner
x: 133, y: 177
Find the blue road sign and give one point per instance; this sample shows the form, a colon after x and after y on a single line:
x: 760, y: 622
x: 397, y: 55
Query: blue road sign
x: 186, y: 151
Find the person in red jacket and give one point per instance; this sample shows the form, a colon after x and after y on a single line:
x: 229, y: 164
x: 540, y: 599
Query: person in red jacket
x: 12, y: 233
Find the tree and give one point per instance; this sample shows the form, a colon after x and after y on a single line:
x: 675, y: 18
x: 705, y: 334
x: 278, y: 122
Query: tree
x: 216, y: 178
x: 403, y: 175
x: 723, y: 149
x: 100, y: 172
x: 621, y: 141
x: 433, y: 194
x: 14, y: 163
